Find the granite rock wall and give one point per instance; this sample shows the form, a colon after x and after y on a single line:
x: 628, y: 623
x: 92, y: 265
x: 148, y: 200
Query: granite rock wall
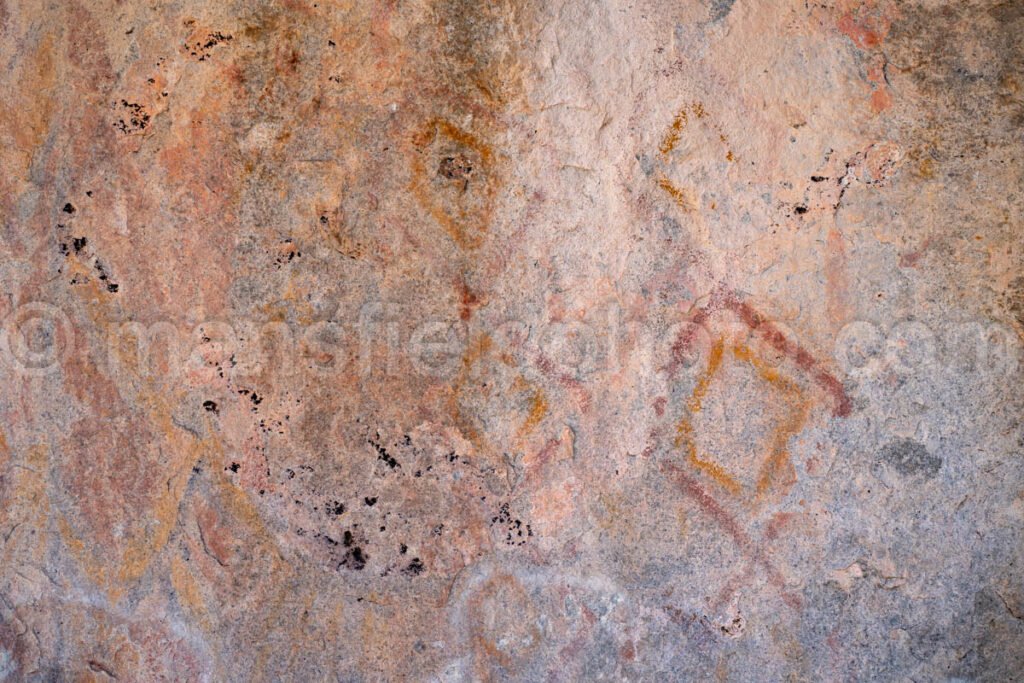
x: 518, y: 340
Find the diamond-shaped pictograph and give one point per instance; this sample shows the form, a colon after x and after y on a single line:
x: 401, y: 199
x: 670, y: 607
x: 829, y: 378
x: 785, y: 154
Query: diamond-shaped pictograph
x: 751, y: 468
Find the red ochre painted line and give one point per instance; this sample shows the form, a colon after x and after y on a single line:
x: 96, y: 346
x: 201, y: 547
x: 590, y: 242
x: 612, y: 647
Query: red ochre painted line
x: 724, y: 298
x: 752, y: 552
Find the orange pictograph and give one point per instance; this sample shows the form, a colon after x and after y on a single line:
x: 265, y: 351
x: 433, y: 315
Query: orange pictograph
x: 735, y: 496
x: 776, y: 451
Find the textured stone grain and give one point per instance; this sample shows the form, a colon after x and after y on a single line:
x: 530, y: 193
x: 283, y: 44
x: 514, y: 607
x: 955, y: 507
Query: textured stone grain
x: 525, y: 340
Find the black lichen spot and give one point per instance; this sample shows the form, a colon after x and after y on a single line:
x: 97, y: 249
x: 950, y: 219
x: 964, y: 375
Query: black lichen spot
x: 909, y: 457
x: 354, y: 559
x: 256, y: 399
x: 414, y: 568
x: 817, y: 178
x: 403, y: 549
x: 112, y: 287
x: 137, y: 118
x: 234, y: 467
x: 327, y: 539
x: 201, y: 48
x: 79, y: 243
x: 370, y: 501
x: 336, y: 508
x: 516, y: 532
x: 69, y: 208
x: 98, y: 265
x: 457, y: 167
x: 382, y: 453
x: 801, y: 209
x: 210, y: 407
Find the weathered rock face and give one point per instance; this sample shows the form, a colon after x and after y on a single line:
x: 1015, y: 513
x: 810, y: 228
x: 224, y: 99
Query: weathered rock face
x: 511, y: 340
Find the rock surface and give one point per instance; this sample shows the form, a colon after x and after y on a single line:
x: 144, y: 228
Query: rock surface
x: 533, y: 340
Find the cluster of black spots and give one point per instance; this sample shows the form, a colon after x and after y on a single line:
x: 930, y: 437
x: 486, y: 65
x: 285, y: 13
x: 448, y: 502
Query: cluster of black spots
x: 800, y: 209
x: 233, y: 467
x: 382, y: 452
x: 220, y: 366
x: 370, y: 501
x: 516, y: 533
x: 111, y: 286
x: 134, y: 118
x: 414, y: 568
x: 335, y: 507
x: 210, y: 407
x: 201, y: 48
x: 271, y: 427
x: 290, y: 254
x: 78, y: 244
x: 255, y: 398
x: 354, y: 557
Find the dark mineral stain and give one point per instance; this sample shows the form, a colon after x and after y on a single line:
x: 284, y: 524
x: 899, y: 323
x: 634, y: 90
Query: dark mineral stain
x: 414, y: 568
x: 456, y: 167
x: 354, y: 559
x: 137, y: 118
x: 210, y: 406
x: 909, y: 457
x: 382, y: 453
x: 720, y: 9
